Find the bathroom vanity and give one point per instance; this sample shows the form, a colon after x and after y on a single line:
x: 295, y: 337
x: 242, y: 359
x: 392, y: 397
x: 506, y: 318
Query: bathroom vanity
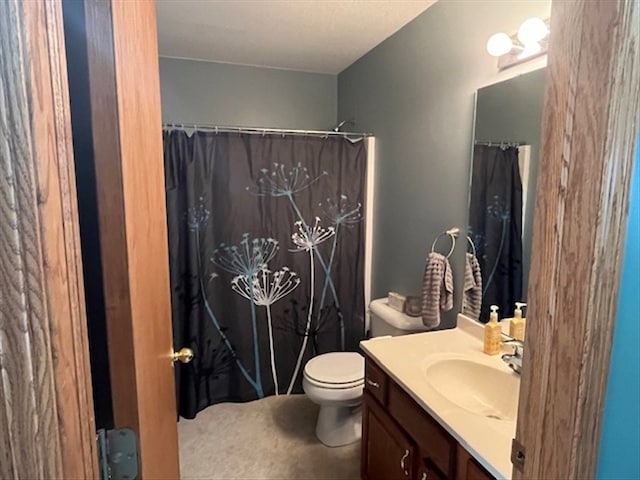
x: 400, y: 440
x: 436, y: 407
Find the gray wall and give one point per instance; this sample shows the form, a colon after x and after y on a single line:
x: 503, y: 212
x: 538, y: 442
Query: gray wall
x: 224, y: 94
x: 415, y: 92
x: 511, y: 111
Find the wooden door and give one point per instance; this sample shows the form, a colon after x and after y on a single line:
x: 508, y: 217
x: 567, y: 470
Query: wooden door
x: 46, y: 410
x: 123, y: 80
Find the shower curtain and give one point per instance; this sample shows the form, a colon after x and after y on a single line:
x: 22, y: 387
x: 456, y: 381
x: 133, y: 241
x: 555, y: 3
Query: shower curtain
x: 495, y: 225
x: 266, y: 245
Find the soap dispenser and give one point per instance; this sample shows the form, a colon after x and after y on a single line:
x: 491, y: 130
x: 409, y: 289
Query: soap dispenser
x: 516, y: 327
x: 492, y: 333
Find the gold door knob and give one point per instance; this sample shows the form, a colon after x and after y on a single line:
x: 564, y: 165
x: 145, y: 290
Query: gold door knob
x: 185, y: 355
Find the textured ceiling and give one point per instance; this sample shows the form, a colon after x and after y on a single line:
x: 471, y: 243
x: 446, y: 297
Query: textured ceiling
x: 323, y: 36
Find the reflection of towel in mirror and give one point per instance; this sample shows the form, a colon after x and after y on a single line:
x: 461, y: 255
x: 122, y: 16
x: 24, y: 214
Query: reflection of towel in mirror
x: 437, y: 289
x: 472, y: 292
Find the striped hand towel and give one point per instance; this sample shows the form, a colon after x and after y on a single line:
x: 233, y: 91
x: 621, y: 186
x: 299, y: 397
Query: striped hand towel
x: 472, y: 292
x: 437, y: 289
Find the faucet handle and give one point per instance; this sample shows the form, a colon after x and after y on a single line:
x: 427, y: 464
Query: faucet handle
x: 509, y: 340
x: 518, y: 345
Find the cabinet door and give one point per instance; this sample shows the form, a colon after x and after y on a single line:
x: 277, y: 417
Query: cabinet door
x: 469, y: 468
x: 428, y: 471
x: 388, y: 454
x: 436, y: 445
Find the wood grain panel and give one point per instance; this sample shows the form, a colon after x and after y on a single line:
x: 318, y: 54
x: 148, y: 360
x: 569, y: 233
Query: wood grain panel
x: 589, y: 126
x: 108, y: 167
x: 28, y: 405
x: 62, y: 255
x: 137, y: 74
x: 125, y: 93
x: 143, y: 181
x: 46, y: 390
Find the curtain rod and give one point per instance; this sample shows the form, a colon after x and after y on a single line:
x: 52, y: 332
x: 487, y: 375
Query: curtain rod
x: 259, y: 130
x: 502, y: 144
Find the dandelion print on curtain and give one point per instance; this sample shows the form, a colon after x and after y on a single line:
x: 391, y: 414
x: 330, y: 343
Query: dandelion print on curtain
x: 495, y: 226
x: 266, y: 245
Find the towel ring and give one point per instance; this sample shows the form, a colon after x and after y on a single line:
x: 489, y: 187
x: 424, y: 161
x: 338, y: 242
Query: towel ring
x: 473, y: 246
x: 453, y: 243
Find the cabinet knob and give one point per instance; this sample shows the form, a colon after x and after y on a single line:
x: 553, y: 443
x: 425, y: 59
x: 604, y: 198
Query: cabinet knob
x: 373, y: 384
x: 404, y: 457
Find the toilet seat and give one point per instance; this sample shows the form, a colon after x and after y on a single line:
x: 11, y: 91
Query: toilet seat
x: 335, y: 370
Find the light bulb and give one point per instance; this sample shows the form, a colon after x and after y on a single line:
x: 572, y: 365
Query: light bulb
x: 499, y: 44
x: 532, y: 31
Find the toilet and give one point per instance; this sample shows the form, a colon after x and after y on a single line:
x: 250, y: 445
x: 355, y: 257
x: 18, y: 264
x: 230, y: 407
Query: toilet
x: 335, y: 381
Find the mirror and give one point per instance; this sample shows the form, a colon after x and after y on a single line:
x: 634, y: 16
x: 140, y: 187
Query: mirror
x: 502, y: 193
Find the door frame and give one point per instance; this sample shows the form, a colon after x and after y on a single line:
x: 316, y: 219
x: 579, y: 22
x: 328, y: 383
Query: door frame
x: 589, y: 129
x: 590, y: 123
x: 46, y: 408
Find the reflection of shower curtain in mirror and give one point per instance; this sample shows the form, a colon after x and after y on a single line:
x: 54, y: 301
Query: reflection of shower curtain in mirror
x: 495, y: 225
x: 266, y: 245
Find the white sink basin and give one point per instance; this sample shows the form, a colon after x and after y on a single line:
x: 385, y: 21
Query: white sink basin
x: 476, y: 387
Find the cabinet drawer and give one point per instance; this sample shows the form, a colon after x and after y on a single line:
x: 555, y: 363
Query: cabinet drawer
x: 376, y: 381
x: 434, y: 442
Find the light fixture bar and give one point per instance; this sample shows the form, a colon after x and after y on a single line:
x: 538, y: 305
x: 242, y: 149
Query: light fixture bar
x: 530, y: 42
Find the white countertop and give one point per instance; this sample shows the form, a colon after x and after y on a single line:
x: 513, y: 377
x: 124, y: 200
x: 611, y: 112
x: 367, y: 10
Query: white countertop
x: 405, y: 359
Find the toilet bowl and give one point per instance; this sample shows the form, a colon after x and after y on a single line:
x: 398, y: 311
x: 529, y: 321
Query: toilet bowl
x: 335, y: 381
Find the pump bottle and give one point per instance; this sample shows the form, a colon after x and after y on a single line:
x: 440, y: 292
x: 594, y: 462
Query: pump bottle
x: 517, y: 324
x: 492, y: 332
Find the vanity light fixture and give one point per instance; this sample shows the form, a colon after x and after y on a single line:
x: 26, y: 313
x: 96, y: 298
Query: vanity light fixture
x: 530, y: 42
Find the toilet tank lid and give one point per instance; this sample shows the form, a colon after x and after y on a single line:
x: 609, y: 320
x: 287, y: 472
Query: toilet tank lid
x: 399, y: 320
x: 336, y: 367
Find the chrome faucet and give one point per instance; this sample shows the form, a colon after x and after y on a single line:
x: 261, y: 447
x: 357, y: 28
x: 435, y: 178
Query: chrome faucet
x: 514, y: 360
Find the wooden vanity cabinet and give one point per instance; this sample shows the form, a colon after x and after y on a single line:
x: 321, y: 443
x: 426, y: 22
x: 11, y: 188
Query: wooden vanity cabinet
x: 401, y: 441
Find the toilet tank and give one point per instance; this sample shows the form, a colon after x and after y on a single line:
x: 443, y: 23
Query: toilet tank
x: 387, y: 321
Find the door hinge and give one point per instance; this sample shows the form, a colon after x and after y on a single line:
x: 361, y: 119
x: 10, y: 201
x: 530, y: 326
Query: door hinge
x: 517, y: 455
x: 117, y: 454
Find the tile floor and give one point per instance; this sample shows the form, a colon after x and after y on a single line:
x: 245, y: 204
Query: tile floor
x: 268, y: 439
